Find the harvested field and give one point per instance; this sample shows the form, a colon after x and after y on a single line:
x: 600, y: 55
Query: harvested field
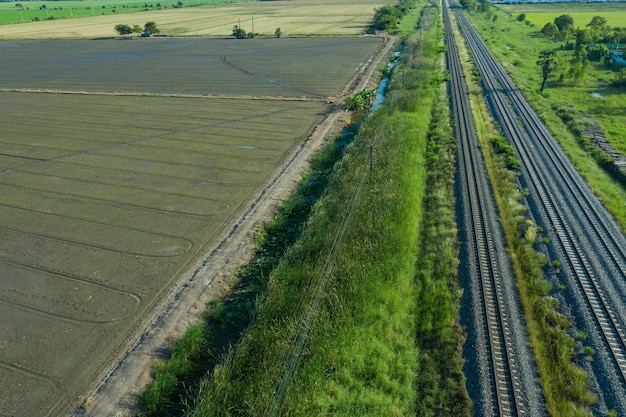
x: 106, y: 198
x: 295, y: 18
x: 316, y: 68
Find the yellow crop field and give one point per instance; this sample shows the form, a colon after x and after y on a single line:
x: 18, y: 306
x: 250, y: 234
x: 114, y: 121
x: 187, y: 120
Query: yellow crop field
x: 295, y: 18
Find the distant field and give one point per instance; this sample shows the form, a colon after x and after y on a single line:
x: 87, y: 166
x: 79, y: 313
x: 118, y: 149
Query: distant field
x: 540, y: 14
x: 106, y: 199
x: 19, y: 12
x: 295, y: 18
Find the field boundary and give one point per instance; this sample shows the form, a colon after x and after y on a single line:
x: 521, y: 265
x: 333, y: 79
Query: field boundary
x: 165, y: 95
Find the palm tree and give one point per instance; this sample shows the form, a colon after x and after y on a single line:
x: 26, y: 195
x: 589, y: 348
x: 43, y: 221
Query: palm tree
x: 547, y: 62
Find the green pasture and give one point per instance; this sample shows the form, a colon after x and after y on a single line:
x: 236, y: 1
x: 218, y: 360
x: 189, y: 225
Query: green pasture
x: 581, y: 19
x: 541, y: 13
x: 17, y: 12
x: 105, y: 199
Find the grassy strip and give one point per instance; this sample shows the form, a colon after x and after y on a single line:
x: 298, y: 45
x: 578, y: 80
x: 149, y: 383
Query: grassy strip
x: 517, y: 45
x: 566, y: 386
x: 442, y: 390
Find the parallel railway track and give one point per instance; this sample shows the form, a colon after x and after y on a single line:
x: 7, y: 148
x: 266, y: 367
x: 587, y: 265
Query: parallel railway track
x: 590, y: 246
x: 506, y: 395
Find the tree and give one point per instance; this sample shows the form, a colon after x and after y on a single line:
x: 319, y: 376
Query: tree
x: 485, y: 6
x: 137, y: 29
x: 550, y: 30
x: 123, y: 29
x: 579, y: 64
x: 151, y: 27
x: 578, y: 70
x: 386, y: 18
x: 521, y: 17
x: 238, y: 32
x: 583, y: 37
x: 547, y: 62
x: 616, y: 35
x: 565, y: 24
x: 278, y: 32
x: 620, y: 79
x: 564, y: 21
x: 597, y: 23
x: 598, y: 28
x: 599, y: 53
x: 469, y: 4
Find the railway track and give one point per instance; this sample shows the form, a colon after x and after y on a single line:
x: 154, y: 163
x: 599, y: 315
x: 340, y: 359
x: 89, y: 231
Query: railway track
x: 505, y: 396
x: 588, y: 243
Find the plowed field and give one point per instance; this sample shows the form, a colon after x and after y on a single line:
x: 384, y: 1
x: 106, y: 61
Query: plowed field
x: 120, y: 162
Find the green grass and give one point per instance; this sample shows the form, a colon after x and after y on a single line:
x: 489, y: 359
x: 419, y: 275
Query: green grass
x: 517, y: 46
x: 408, y: 24
x: 183, y: 366
x: 581, y: 19
x: 11, y: 12
x: 177, y: 377
x: 582, y: 13
x: 378, y: 301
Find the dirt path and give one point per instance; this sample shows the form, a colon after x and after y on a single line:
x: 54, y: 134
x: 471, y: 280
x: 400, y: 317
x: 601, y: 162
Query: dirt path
x: 116, y: 391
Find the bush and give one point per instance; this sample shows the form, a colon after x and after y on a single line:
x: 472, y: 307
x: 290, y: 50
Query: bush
x: 361, y: 100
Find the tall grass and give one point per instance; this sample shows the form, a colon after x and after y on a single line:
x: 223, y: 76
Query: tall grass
x: 176, y: 378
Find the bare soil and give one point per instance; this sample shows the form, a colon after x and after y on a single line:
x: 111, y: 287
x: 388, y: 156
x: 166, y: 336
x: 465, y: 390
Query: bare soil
x: 211, y: 276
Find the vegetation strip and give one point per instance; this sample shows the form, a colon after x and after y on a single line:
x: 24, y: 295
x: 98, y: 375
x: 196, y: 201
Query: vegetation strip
x: 387, y: 284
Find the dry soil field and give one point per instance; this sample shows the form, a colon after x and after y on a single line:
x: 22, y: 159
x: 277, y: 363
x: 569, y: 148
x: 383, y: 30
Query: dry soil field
x: 121, y: 162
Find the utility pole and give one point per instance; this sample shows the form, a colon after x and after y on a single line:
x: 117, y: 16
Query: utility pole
x: 252, y: 26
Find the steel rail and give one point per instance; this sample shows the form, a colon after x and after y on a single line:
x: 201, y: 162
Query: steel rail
x: 511, y: 108
x: 611, y: 238
x: 504, y: 371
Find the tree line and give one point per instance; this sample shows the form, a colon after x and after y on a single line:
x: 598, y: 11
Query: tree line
x: 589, y: 45
x: 149, y: 28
